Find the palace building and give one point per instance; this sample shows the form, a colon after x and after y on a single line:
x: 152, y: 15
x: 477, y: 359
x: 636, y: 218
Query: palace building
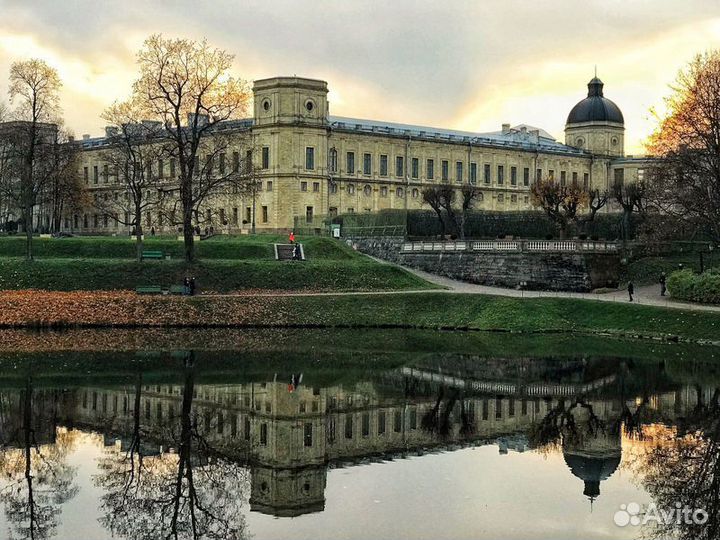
x: 312, y: 164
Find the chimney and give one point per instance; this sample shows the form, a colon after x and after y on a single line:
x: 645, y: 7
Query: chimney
x: 86, y: 136
x: 505, y: 129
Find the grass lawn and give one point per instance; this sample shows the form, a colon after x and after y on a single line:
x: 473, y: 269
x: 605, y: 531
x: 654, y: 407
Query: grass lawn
x: 225, y: 264
x: 255, y: 247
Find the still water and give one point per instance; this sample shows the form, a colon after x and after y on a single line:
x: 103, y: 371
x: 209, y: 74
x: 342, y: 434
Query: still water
x: 371, y: 435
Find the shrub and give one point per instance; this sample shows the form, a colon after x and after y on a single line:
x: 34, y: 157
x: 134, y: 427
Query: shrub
x: 686, y: 285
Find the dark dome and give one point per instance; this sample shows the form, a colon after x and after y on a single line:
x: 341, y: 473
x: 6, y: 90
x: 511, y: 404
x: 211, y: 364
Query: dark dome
x: 595, y: 107
x: 592, y: 469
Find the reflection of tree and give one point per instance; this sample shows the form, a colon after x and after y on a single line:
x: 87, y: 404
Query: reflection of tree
x: 682, y: 466
x: 441, y: 420
x: 38, y: 479
x: 194, y: 493
x: 560, y: 424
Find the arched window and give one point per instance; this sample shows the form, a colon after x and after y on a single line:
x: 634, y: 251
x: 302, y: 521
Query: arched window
x: 333, y: 160
x: 351, y: 189
x: 415, y: 193
x: 400, y: 193
x: 367, y: 190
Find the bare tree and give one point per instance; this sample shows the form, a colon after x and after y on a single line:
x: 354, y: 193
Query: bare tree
x: 133, y: 151
x: 596, y: 201
x: 34, y: 92
x: 632, y: 198
x: 186, y: 86
x: 561, y: 203
x: 432, y: 197
x: 469, y: 196
x: 64, y: 193
x: 685, y: 181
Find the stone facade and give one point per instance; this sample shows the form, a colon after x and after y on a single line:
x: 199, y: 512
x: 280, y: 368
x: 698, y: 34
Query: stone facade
x: 578, y: 272
x: 313, y: 164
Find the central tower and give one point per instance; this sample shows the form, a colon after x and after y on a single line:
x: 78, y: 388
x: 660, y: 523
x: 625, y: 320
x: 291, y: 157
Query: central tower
x: 290, y: 100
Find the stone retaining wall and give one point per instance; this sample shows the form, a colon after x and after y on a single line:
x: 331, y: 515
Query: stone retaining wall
x: 578, y: 272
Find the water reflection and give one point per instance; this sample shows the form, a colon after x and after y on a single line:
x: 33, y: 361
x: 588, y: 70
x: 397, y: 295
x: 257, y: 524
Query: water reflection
x: 183, y: 456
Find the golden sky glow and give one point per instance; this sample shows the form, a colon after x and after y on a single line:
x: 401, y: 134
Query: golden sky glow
x: 466, y: 65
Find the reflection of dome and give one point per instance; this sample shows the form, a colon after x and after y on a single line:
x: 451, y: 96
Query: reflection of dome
x: 592, y: 468
x: 595, y: 107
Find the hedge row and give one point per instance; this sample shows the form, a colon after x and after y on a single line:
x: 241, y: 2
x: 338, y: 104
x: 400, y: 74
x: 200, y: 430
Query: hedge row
x: 686, y: 285
x: 251, y: 247
x: 491, y: 224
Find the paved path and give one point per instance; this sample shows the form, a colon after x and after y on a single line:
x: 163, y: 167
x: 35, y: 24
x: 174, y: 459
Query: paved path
x: 648, y: 295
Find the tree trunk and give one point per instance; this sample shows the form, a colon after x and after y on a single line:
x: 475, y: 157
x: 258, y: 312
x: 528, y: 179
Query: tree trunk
x: 188, y: 236
x: 138, y: 233
x: 28, y: 233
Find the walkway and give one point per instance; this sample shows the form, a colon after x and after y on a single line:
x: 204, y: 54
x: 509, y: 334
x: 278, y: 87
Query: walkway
x: 648, y: 295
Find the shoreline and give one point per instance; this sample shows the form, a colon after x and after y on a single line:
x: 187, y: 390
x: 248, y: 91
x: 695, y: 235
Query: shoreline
x: 436, y: 311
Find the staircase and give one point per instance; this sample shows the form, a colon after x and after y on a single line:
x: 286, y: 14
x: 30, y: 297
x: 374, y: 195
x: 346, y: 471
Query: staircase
x: 284, y: 252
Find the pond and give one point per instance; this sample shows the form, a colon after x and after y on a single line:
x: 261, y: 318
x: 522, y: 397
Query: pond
x: 373, y: 434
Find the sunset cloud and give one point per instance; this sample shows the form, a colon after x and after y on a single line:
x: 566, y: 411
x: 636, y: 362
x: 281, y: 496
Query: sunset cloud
x: 466, y: 65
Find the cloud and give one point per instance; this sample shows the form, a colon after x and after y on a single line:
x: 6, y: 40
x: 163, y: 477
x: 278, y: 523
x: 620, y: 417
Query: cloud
x: 462, y: 64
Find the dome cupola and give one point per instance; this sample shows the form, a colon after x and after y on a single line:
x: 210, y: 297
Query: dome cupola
x: 595, y: 107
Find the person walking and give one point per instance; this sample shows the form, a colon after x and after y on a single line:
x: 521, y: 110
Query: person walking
x: 186, y: 286
x: 631, y: 290
x: 192, y: 286
x: 662, y: 284
x: 292, y: 237
x: 296, y: 252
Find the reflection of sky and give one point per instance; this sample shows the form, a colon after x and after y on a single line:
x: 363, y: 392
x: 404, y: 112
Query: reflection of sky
x: 472, y: 493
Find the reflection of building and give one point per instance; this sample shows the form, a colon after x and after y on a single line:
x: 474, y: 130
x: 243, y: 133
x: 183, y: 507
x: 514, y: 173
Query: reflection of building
x: 290, y: 439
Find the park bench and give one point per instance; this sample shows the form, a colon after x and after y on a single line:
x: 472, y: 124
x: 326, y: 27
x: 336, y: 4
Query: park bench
x: 149, y: 289
x: 152, y: 255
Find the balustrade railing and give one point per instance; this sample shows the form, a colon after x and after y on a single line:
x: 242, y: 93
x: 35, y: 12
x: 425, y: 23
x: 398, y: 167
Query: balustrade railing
x: 521, y: 246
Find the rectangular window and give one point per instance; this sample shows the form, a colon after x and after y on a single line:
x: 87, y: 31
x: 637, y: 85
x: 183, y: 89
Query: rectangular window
x: 316, y: 187
x: 236, y: 162
x: 246, y: 428
x: 511, y: 407
x: 459, y: 171
x: 265, y: 157
x: 574, y: 179
x: 413, y: 418
x: 264, y: 214
x: 397, y: 423
x: 473, y: 173
x: 348, y: 426
x: 486, y: 173
x: 586, y: 181
x: 309, y: 214
x: 248, y: 214
x: 383, y: 165
x: 308, y: 435
x: 513, y: 176
x: 350, y: 163
x: 86, y: 175
x: 619, y: 177
x: 501, y: 175
x: 445, y: 172
x: 367, y: 164
x: 303, y: 186
x: 263, y: 434
x: 551, y: 174
x: 430, y: 169
x: 563, y: 178
x: 485, y: 409
x: 106, y: 174
x: 366, y: 424
x: 400, y: 166
x: 526, y: 177
x: 95, y: 174
x: 161, y: 169
x: 269, y: 185
x: 498, y: 408
x: 538, y: 175
x: 381, y: 422
x: 235, y: 216
x: 310, y: 158
x: 415, y: 167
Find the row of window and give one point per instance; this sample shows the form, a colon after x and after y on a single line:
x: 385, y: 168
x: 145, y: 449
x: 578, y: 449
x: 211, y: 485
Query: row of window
x: 459, y: 170
x: 169, y: 166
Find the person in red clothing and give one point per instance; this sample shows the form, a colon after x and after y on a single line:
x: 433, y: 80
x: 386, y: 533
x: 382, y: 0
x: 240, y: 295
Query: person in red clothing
x: 292, y: 237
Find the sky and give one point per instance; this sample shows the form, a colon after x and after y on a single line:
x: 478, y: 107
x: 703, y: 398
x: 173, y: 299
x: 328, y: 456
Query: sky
x: 468, y: 65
